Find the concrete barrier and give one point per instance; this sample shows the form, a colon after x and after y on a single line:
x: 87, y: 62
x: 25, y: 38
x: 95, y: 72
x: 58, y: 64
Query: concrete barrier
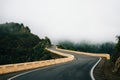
x: 107, y: 56
x: 31, y: 65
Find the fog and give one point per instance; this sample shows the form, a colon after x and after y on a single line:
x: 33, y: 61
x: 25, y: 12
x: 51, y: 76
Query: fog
x: 75, y: 20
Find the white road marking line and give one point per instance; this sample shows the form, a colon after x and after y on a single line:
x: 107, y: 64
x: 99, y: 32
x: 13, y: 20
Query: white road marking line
x: 91, y: 72
x: 26, y: 73
x: 41, y: 68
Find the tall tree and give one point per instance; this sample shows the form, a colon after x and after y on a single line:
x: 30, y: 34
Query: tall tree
x: 117, y: 50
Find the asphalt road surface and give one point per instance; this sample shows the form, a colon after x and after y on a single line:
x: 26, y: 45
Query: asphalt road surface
x: 77, y: 69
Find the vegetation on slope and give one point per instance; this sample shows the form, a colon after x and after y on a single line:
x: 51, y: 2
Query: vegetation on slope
x: 18, y: 44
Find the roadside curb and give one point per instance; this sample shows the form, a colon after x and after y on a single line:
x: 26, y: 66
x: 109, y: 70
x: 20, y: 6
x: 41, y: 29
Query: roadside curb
x: 107, y: 56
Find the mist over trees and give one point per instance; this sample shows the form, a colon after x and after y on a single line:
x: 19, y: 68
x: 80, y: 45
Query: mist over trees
x: 18, y: 44
x: 107, y: 47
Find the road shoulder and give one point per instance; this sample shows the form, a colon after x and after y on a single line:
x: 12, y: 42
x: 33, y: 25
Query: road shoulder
x: 103, y: 71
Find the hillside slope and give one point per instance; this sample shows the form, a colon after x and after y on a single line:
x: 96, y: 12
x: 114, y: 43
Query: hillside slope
x: 18, y: 44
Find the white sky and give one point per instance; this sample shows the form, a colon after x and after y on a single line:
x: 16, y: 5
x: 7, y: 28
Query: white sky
x: 76, y: 20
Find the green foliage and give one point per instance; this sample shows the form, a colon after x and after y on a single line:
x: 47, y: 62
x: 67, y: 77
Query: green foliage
x: 18, y: 44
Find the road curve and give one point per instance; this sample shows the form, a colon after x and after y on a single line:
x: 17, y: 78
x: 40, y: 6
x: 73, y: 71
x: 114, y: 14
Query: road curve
x: 77, y: 69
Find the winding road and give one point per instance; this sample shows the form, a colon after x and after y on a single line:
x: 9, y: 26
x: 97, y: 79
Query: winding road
x: 77, y: 69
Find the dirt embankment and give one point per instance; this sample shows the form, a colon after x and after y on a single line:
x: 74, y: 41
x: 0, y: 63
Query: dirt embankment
x: 104, y: 71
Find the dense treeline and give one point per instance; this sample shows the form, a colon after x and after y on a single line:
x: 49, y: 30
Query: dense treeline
x: 107, y: 47
x: 18, y: 44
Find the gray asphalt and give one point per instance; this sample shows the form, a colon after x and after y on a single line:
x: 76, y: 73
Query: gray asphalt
x: 78, y: 69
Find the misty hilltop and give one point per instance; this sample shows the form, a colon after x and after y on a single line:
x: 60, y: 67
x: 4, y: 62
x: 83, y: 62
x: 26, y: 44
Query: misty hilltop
x: 14, y: 28
x: 16, y: 35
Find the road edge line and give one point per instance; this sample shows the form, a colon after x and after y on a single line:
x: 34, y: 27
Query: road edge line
x: 26, y: 72
x: 91, y: 72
